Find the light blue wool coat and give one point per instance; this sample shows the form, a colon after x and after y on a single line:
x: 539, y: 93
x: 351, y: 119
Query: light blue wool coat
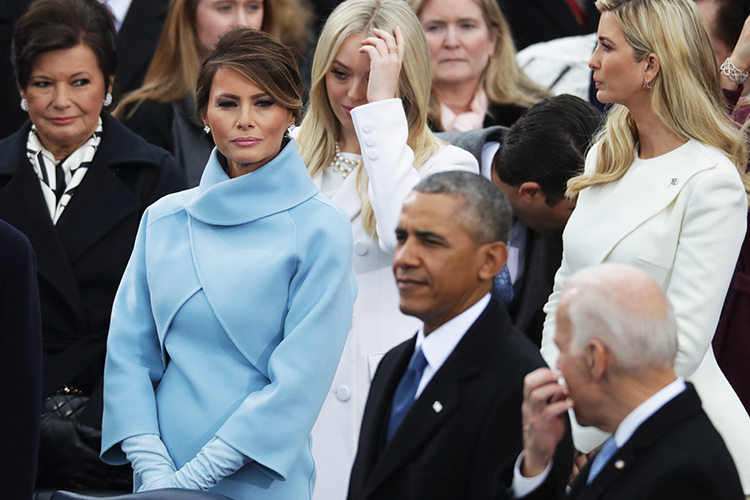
x: 230, y: 321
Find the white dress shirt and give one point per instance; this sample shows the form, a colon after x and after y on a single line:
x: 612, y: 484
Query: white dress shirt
x: 439, y: 344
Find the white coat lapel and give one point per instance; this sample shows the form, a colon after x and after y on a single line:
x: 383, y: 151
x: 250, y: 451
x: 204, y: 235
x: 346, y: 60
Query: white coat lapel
x: 346, y: 195
x: 644, y: 191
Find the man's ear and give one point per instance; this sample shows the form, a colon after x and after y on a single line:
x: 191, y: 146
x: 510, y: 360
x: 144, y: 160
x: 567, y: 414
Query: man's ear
x: 494, y: 256
x: 530, y: 192
x: 598, y: 359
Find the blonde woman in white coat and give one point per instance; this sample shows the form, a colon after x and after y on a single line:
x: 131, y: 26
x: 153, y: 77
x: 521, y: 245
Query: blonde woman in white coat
x: 664, y: 189
x: 366, y: 143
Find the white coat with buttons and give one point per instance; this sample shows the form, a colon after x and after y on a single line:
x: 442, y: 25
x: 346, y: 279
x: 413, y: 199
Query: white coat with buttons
x: 377, y: 325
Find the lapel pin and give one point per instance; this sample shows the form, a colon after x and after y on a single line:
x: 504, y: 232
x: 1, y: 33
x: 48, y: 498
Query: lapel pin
x: 673, y: 182
x: 437, y: 406
x: 619, y: 464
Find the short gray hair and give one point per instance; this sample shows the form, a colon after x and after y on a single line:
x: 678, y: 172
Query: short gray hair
x: 486, y: 211
x: 625, y: 309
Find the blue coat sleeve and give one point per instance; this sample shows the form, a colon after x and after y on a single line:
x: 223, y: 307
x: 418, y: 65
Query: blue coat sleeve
x: 134, y: 363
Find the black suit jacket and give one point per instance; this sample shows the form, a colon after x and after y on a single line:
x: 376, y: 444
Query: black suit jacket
x: 460, y: 429
x: 676, y: 453
x: 137, y: 40
x: 530, y: 293
x: 533, y: 21
x: 20, y: 364
x: 82, y: 258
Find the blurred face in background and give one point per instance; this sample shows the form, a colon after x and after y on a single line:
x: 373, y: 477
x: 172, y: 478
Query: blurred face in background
x: 213, y: 18
x: 65, y: 93
x: 460, y: 42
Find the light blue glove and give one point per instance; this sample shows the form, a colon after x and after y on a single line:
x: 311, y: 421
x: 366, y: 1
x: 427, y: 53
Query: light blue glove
x: 214, y: 462
x: 149, y: 458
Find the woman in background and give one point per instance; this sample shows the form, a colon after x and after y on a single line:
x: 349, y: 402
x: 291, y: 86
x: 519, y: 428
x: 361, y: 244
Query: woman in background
x: 162, y: 111
x: 476, y: 81
x: 366, y: 143
x: 664, y: 189
x: 233, y: 311
x: 75, y: 182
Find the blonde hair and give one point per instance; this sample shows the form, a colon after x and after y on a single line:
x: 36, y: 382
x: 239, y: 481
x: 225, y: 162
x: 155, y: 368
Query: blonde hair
x: 685, y: 94
x: 320, y: 127
x: 177, y: 59
x: 503, y: 80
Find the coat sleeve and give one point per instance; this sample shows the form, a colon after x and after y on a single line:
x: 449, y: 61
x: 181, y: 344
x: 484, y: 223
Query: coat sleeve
x: 272, y: 426
x: 382, y: 131
x: 134, y: 363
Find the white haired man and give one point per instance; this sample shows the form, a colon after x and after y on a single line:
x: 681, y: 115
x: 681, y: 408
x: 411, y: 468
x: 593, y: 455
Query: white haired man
x: 617, y: 339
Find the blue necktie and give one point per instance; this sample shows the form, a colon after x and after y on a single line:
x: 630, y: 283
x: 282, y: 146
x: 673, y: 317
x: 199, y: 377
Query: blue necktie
x: 504, y: 286
x: 600, y: 460
x: 403, y: 398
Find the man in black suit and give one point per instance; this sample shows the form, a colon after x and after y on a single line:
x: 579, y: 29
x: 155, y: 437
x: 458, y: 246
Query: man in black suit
x: 618, y: 340
x: 536, y: 158
x: 442, y: 427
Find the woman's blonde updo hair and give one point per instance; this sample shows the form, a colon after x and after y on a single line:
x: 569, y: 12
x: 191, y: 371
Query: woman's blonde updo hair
x: 320, y: 127
x: 174, y: 67
x: 685, y: 94
x: 503, y: 80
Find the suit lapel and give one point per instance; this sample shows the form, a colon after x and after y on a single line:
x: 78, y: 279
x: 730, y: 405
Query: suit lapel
x: 100, y: 203
x: 437, y: 402
x: 22, y: 205
x: 681, y: 407
x: 643, y: 192
x: 346, y: 195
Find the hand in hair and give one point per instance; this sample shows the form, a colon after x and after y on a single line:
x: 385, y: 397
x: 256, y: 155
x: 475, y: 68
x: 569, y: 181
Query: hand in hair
x: 386, y: 56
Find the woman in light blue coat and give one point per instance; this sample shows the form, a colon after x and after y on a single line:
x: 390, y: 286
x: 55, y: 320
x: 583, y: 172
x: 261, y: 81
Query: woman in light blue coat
x: 234, y: 309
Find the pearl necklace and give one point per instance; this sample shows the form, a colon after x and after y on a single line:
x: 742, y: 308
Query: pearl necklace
x: 342, y: 164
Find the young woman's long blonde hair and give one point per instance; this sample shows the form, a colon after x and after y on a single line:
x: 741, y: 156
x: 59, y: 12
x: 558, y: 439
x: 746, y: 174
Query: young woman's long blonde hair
x: 503, y: 80
x: 177, y: 59
x: 685, y: 94
x: 320, y: 127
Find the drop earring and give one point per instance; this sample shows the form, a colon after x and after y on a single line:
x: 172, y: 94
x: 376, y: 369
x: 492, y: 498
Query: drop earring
x: 107, y: 99
x: 207, y: 129
x: 24, y: 105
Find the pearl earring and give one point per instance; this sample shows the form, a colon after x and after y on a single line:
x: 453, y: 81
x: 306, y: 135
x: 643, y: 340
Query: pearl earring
x: 107, y: 100
x: 207, y: 129
x: 24, y: 105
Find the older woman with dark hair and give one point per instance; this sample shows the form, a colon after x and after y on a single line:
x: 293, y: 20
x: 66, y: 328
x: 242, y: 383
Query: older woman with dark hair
x: 75, y: 182
x: 235, y: 306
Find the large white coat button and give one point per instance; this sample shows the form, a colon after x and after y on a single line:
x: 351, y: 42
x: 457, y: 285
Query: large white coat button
x: 361, y: 247
x: 369, y: 141
x: 367, y: 128
x: 343, y: 393
x: 373, y: 155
